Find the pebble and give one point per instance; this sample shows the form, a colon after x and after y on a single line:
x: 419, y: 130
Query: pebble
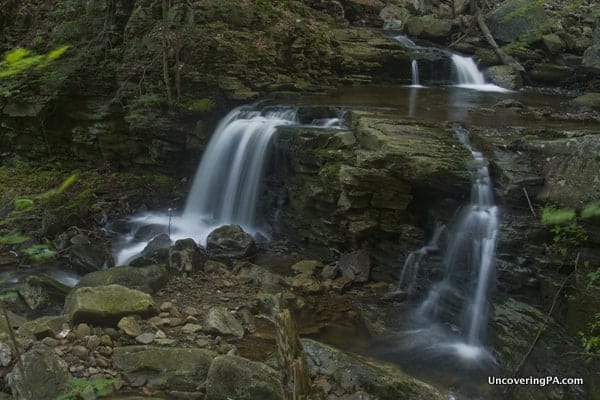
x: 82, y: 331
x: 130, y: 326
x: 164, y: 342
x: 157, y: 321
x: 164, y: 315
x: 50, y: 342
x: 176, y: 321
x: 102, y: 362
x: 145, y: 338
x: 105, y: 340
x: 105, y: 351
x: 194, y: 312
x: 160, y: 334
x: 191, y: 328
x: 202, y: 342
x: 93, y: 342
x: 138, y: 381
x: 166, y: 306
x: 81, y: 352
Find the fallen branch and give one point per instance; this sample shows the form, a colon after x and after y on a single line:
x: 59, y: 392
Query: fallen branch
x: 505, y: 58
x: 529, y: 201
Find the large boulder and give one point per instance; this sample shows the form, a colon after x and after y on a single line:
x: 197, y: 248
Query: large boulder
x: 40, y: 375
x: 230, y: 242
x: 41, y: 291
x: 355, y: 266
x: 155, y: 252
x: 232, y: 377
x: 505, y: 76
x: 174, y: 369
x: 89, y: 257
x: 517, y: 18
x: 185, y: 256
x: 107, y: 304
x: 429, y: 27
x: 39, y: 328
x: 354, y: 373
x: 146, y: 279
x: 221, y: 322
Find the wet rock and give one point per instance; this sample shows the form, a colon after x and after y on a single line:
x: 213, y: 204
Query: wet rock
x: 147, y: 232
x: 505, y: 76
x: 356, y: 266
x: 553, y: 43
x: 515, y: 18
x: 107, y: 304
x: 591, y: 58
x: 185, y: 256
x: 229, y: 243
x: 155, y: 252
x: 146, y: 279
x: 82, y: 330
x: 247, y: 272
x: 42, y: 327
x: 191, y: 328
x: 41, y: 291
x: 5, y: 354
x: 354, y: 373
x: 89, y: 257
x: 306, y: 283
x: 429, y: 27
x: 239, y: 378
x: 221, y: 322
x: 310, y: 267
x: 130, y: 326
x: 42, y: 375
x: 588, y: 99
x: 164, y: 368
x: 552, y: 74
x: 145, y: 338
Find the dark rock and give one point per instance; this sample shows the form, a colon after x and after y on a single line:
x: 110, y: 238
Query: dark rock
x: 552, y: 74
x: 504, y: 76
x: 306, y: 283
x: 41, y: 291
x: 185, y: 256
x: 429, y: 27
x: 247, y: 272
x: 516, y: 18
x: 146, y: 279
x: 230, y: 242
x: 591, y: 58
x: 589, y: 100
x: 155, y: 252
x: 355, y: 265
x: 232, y: 377
x: 107, y: 304
x: 182, y: 369
x: 221, y: 322
x: 310, y: 267
x: 89, y: 257
x: 40, y: 375
x: 355, y: 373
x: 42, y: 327
x: 148, y: 232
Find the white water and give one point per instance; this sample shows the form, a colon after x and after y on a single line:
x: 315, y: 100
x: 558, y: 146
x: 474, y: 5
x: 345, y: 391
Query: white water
x: 455, y: 309
x: 468, y: 75
x: 415, y: 74
x: 227, y: 184
x: 469, y: 260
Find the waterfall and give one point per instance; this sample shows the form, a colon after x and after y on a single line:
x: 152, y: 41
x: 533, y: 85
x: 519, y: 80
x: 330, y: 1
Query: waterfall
x: 469, y: 76
x: 469, y: 257
x: 415, y: 73
x: 227, y: 183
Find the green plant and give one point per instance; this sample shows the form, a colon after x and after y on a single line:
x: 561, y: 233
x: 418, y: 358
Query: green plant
x: 203, y: 105
x: 40, y: 252
x: 20, y: 60
x: 567, y: 232
x: 590, y: 340
x: 88, y: 389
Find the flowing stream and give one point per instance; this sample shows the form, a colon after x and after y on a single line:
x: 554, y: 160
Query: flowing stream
x: 227, y: 184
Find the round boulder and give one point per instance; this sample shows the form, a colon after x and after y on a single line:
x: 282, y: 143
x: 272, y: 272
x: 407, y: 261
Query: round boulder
x: 230, y: 242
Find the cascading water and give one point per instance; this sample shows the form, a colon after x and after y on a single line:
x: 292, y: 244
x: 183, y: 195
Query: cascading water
x: 415, y: 73
x: 454, y: 312
x: 227, y: 184
x: 469, y: 256
x: 469, y: 76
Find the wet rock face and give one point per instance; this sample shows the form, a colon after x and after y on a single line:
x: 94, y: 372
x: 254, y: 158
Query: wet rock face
x: 369, y: 186
x: 514, y: 18
x: 229, y: 243
x: 185, y: 256
x: 42, y: 375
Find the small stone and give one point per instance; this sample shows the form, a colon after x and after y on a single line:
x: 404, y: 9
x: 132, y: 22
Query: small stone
x: 164, y: 314
x: 105, y: 340
x: 50, y: 342
x: 307, y: 267
x: 82, y: 331
x: 166, y: 306
x: 190, y: 319
x: 157, y: 321
x: 105, y: 351
x: 6, y: 354
x: 138, y: 381
x: 176, y: 321
x: 130, y: 326
x: 102, y: 362
x: 145, y: 338
x: 93, y: 370
x: 202, y: 342
x: 81, y: 352
x: 307, y: 283
x: 160, y: 334
x: 194, y: 312
x: 191, y: 328
x: 93, y: 342
x: 164, y: 342
x: 220, y: 321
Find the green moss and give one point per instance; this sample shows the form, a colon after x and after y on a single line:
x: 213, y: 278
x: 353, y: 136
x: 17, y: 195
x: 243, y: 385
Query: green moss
x: 13, y: 238
x: 40, y: 252
x: 203, y: 105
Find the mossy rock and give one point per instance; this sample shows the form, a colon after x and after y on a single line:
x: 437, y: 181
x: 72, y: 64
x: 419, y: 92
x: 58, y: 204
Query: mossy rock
x: 514, y: 19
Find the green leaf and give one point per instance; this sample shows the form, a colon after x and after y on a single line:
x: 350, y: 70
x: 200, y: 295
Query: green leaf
x: 556, y: 216
x: 591, y: 210
x: 23, y: 204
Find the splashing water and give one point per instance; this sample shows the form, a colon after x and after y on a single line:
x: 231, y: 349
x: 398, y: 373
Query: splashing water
x: 468, y: 75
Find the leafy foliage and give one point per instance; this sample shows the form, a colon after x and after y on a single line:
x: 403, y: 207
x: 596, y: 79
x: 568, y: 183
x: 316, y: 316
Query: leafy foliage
x: 21, y: 60
x: 590, y: 340
x: 81, y: 388
x: 567, y: 232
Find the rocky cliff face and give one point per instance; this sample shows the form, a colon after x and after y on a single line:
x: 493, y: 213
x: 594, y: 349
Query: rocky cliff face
x: 372, y: 186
